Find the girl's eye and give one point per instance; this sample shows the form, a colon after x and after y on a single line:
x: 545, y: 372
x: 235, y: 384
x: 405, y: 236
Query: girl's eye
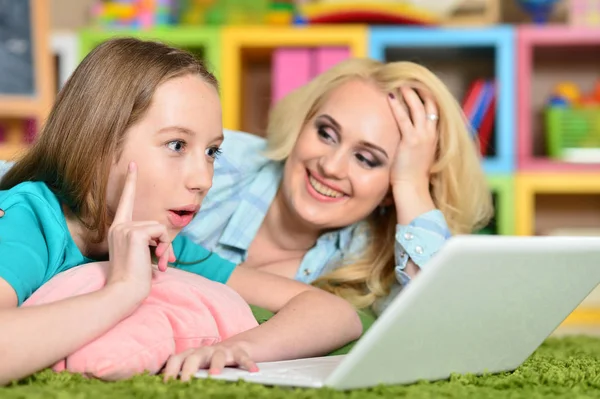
x: 366, y: 161
x: 213, y: 152
x: 176, y: 145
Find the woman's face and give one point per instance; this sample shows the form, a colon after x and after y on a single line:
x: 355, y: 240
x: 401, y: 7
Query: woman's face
x: 339, y: 170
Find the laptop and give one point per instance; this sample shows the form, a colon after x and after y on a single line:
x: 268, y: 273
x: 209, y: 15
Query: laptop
x: 482, y: 305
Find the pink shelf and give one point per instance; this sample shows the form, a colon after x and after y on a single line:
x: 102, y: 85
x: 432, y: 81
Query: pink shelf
x: 326, y: 57
x: 553, y: 35
x: 295, y: 66
x: 530, y: 38
x: 548, y: 165
x: 292, y: 67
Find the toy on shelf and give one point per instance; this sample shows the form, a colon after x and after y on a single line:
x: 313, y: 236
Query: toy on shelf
x: 584, y: 12
x: 573, y: 123
x: 370, y: 12
x: 538, y: 10
x: 235, y: 12
x: 479, y: 107
x: 473, y: 13
x: 400, y: 12
x: 134, y: 14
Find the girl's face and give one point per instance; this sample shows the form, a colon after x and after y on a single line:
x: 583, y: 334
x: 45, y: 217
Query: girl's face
x: 174, y: 145
x: 339, y: 170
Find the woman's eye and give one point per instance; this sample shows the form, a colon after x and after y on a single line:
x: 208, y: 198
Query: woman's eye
x: 213, y: 152
x: 322, y: 132
x: 366, y: 161
x: 176, y: 145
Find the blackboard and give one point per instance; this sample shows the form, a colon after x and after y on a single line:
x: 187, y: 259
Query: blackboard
x: 17, y: 69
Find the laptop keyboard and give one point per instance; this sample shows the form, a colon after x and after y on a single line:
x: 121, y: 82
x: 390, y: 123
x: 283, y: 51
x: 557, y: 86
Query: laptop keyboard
x: 303, y: 372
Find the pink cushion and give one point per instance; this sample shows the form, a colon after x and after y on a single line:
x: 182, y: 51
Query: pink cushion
x: 182, y: 311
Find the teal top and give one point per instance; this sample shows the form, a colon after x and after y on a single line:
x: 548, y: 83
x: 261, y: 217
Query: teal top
x: 35, y: 243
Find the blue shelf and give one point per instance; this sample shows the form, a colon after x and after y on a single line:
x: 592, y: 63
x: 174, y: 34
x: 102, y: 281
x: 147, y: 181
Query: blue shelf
x: 500, y: 38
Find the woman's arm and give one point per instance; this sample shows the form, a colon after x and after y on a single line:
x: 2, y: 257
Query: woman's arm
x: 308, y: 322
x: 421, y: 230
x: 410, y: 181
x: 36, y: 337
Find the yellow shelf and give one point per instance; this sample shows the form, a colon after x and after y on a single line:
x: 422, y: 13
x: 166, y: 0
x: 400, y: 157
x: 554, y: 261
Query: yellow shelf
x: 527, y: 185
x: 11, y: 151
x: 583, y: 316
x: 564, y: 183
x: 22, y: 107
x: 235, y: 38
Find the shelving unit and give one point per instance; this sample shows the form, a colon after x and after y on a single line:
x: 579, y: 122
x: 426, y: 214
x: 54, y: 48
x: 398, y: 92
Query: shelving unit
x: 552, y: 193
x: 503, y: 189
x: 530, y: 187
x: 547, y: 55
x: 247, y: 51
x: 476, y: 44
x: 525, y: 60
x: 16, y: 110
x: 483, y: 52
x: 202, y: 41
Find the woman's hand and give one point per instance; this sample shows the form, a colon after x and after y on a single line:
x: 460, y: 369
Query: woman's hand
x: 418, y: 137
x: 128, y: 242
x: 214, y: 357
x: 410, y: 174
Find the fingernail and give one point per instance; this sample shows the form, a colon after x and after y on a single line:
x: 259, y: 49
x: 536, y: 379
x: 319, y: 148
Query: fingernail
x: 131, y: 166
x: 391, y: 95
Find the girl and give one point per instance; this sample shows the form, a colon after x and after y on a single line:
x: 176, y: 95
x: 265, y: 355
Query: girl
x: 123, y: 163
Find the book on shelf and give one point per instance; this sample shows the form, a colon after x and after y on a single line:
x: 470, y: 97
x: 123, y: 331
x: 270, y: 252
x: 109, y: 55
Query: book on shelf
x: 479, y: 107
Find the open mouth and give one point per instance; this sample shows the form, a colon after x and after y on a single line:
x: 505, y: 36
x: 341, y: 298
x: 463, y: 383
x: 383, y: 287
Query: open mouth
x: 322, y: 189
x: 182, y: 213
x: 183, y: 216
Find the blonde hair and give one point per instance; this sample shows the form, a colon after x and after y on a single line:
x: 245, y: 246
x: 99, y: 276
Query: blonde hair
x: 370, y: 275
x: 109, y: 91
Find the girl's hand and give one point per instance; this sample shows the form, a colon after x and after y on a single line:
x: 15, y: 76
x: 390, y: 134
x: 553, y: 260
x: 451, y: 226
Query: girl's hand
x: 128, y: 243
x: 214, y: 357
x: 418, y: 138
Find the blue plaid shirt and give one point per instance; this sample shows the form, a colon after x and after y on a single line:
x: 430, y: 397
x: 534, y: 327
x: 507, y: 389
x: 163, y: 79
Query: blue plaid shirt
x: 245, y: 184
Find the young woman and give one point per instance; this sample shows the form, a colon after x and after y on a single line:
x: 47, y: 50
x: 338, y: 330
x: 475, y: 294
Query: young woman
x: 365, y: 172
x: 123, y: 164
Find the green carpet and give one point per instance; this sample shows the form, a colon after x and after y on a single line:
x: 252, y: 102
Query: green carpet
x: 567, y: 367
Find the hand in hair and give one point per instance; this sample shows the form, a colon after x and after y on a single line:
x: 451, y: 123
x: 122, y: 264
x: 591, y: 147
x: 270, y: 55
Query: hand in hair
x: 128, y: 242
x: 415, y: 154
x: 418, y: 137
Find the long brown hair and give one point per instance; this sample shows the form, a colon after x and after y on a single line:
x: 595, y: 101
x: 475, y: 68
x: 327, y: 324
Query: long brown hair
x: 110, y: 90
